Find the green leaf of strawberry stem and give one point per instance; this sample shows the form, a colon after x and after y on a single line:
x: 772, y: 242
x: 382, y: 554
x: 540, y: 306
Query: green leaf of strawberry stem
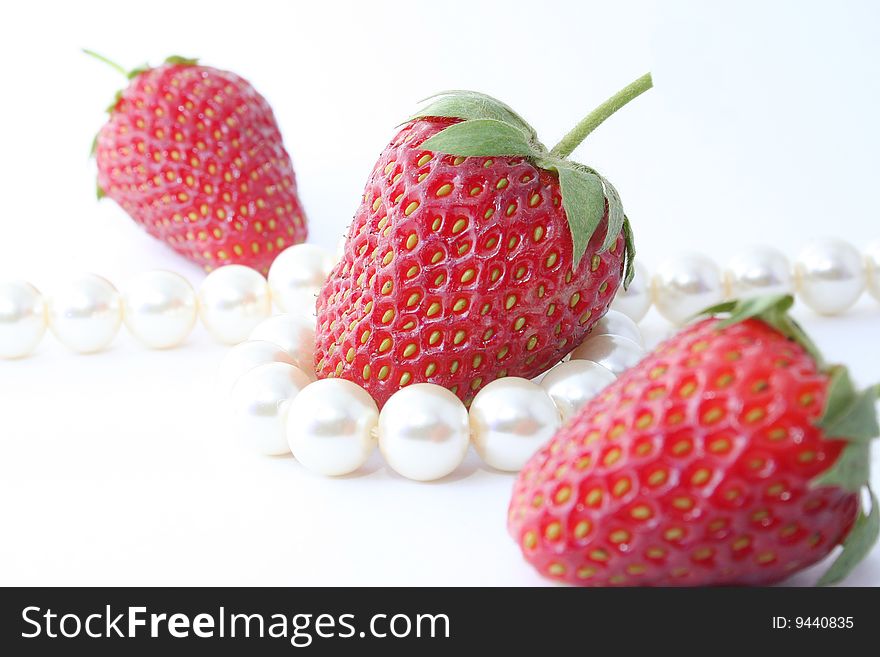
x: 491, y: 128
x: 615, y: 215
x: 772, y: 309
x: 178, y: 59
x: 480, y: 137
x: 630, y: 245
x: 850, y: 472
x: 136, y: 71
x: 133, y: 73
x: 849, y: 412
x: 584, y: 203
x: 112, y: 106
x: 850, y: 415
x: 858, y: 543
x: 469, y: 105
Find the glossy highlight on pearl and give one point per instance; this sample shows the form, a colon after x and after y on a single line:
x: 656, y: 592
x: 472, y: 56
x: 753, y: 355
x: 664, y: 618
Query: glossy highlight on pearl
x: 830, y: 276
x: 613, y: 352
x: 232, y: 301
x: 616, y: 323
x: 22, y: 319
x: 85, y: 313
x: 259, y: 402
x: 510, y: 419
x: 423, y: 432
x: 297, y: 275
x: 160, y: 308
x: 330, y: 426
x: 757, y: 271
x: 685, y: 285
x: 571, y: 385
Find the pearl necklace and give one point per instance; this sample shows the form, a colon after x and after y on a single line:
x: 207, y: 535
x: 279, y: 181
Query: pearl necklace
x: 160, y: 308
x: 332, y: 426
x: 423, y: 431
x: 828, y: 276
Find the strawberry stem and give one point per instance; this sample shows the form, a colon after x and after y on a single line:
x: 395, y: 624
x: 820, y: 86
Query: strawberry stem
x: 595, y: 118
x: 109, y: 62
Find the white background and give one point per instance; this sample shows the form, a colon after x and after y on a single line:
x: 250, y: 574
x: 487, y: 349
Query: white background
x: 117, y: 469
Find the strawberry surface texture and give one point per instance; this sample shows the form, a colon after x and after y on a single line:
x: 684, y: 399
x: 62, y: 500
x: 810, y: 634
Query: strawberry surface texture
x: 713, y: 461
x: 457, y: 271
x: 475, y: 254
x: 193, y: 154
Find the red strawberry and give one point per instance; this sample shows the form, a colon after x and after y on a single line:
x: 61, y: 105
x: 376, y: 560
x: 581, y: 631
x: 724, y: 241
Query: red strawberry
x: 729, y: 455
x: 194, y: 155
x: 475, y: 253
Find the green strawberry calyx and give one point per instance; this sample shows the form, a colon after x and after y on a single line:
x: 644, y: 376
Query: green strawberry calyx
x: 490, y: 128
x: 850, y: 414
x: 129, y: 74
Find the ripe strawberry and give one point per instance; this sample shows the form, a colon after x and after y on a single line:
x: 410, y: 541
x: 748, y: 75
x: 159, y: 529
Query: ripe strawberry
x: 729, y: 455
x: 475, y: 253
x: 194, y: 155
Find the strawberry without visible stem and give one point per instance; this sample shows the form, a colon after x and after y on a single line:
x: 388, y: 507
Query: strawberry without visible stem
x: 475, y: 253
x: 193, y: 155
x: 730, y: 455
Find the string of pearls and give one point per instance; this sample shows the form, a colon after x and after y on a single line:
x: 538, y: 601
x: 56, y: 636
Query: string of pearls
x: 332, y: 426
x: 423, y: 431
x: 828, y: 275
x: 159, y: 308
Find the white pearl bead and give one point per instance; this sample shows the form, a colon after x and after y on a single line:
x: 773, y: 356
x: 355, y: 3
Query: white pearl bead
x: 297, y: 275
x: 684, y: 286
x: 259, y: 402
x: 758, y: 271
x: 423, y: 432
x: 635, y: 301
x: 85, y: 313
x: 510, y: 419
x: 293, y: 334
x: 160, y: 308
x: 243, y: 358
x: 330, y: 426
x: 572, y: 384
x: 22, y: 318
x: 616, y: 323
x: 830, y: 276
x: 613, y: 352
x: 872, y: 260
x: 232, y: 301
